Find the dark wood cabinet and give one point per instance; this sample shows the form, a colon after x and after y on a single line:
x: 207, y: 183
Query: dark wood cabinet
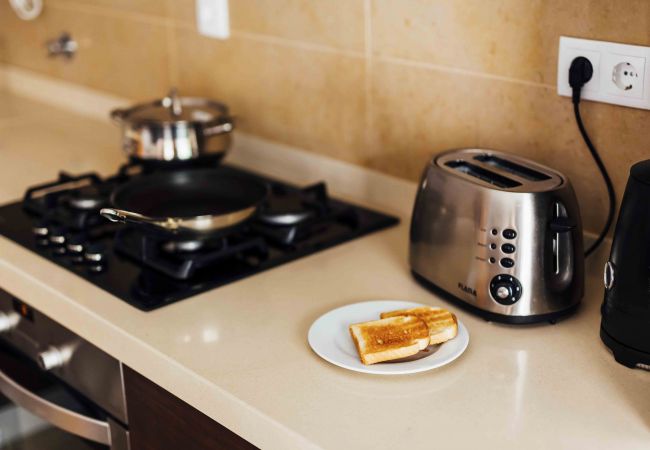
x: 160, y: 421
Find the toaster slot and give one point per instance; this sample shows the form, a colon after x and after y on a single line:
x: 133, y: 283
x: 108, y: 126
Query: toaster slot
x: 511, y: 167
x: 483, y: 174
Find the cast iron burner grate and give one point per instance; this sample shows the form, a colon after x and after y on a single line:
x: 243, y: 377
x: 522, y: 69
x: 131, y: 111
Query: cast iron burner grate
x: 70, y: 201
x: 151, y: 251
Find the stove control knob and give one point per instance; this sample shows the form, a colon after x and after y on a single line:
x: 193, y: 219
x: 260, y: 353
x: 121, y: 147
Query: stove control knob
x: 505, y: 289
x: 40, y: 229
x: 75, y: 244
x: 8, y: 321
x: 95, y: 253
x: 57, y: 235
x: 54, y: 357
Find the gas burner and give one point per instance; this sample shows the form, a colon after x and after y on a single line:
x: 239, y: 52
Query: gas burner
x: 291, y: 206
x: 45, y: 197
x: 290, y: 216
x: 174, y: 247
x: 183, y: 244
x: 87, y: 198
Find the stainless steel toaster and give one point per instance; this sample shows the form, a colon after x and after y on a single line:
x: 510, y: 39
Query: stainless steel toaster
x: 498, y: 234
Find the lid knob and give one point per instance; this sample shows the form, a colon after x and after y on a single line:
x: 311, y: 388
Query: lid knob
x: 173, y: 103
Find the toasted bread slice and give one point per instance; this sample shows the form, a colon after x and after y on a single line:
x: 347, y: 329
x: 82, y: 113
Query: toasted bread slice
x: 388, y: 339
x: 442, y: 324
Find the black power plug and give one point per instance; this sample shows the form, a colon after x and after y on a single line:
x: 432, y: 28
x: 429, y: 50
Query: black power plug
x: 580, y: 72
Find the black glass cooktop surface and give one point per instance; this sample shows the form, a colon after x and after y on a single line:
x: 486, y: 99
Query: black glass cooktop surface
x: 60, y: 221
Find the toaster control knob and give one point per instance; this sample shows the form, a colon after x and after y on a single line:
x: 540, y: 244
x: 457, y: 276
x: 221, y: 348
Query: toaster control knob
x: 505, y: 289
x: 503, y: 292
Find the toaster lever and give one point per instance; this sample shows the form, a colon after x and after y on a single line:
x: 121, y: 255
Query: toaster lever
x: 562, y: 225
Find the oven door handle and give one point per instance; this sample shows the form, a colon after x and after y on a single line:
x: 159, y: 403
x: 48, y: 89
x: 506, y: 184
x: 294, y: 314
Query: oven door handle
x: 70, y: 421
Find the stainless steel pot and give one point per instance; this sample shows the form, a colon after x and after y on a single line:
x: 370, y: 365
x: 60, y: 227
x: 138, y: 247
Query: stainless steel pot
x: 175, y: 129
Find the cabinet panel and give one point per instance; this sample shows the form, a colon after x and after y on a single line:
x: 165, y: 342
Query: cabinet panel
x: 159, y: 421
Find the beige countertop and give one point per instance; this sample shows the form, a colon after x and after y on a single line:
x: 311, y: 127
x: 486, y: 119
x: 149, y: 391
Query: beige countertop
x: 239, y: 353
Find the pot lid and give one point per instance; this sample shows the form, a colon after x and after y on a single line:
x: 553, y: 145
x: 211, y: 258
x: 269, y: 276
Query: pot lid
x: 174, y: 109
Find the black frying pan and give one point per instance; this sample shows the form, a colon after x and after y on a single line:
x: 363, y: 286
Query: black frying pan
x: 199, y: 201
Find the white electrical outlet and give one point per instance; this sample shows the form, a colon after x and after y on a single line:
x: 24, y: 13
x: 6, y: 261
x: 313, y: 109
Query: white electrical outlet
x: 621, y: 73
x: 627, y: 75
x: 212, y: 18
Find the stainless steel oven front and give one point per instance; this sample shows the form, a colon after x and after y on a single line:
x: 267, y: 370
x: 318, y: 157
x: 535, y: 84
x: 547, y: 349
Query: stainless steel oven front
x: 58, y: 391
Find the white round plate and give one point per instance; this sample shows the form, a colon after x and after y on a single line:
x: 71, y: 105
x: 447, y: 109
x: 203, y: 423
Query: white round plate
x: 330, y: 338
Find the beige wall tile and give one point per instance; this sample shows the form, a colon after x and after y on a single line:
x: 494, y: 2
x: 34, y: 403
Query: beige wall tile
x: 122, y: 56
x: 334, y: 23
x: 154, y: 8
x: 511, y: 38
x: 310, y: 99
x: 416, y: 113
x: 182, y: 11
x: 118, y: 55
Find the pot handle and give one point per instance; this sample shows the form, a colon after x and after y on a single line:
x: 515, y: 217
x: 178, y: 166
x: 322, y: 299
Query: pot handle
x: 226, y: 125
x: 122, y: 216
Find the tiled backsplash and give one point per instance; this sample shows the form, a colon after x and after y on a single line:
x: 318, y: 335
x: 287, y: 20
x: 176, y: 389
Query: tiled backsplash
x: 381, y: 83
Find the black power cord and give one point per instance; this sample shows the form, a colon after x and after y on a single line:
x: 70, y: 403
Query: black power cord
x: 580, y: 73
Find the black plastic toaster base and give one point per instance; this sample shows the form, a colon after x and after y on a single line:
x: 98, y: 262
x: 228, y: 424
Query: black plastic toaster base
x: 490, y: 316
x: 623, y: 354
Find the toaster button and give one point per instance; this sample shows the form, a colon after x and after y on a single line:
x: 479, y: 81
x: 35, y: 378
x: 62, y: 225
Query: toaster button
x: 507, y: 262
x: 508, y: 248
x: 509, y: 233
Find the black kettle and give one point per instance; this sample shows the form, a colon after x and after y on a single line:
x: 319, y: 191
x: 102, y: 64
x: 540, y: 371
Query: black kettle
x: 625, y: 325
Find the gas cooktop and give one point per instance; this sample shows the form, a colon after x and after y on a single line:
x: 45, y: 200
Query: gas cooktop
x: 60, y: 221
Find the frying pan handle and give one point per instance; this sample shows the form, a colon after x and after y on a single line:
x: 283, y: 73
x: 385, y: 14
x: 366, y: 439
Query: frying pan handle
x: 120, y: 215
